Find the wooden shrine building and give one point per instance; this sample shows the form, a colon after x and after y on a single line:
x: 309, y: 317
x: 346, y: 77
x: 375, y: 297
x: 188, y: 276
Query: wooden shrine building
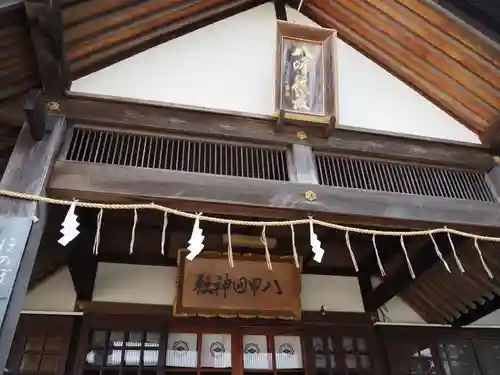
x: 249, y: 187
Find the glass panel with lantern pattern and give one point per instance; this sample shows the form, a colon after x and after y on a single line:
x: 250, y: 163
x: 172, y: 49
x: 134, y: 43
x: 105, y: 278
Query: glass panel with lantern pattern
x: 275, y: 354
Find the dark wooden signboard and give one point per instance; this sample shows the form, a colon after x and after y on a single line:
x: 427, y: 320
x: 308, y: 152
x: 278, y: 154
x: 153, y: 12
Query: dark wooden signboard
x: 209, y: 286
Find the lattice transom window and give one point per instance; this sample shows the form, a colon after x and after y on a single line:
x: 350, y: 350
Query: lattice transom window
x: 118, y: 348
x: 341, y: 355
x: 452, y: 357
x: 143, y: 352
x: 118, y: 352
x: 179, y: 154
x: 416, y: 359
x: 457, y: 358
x: 488, y: 351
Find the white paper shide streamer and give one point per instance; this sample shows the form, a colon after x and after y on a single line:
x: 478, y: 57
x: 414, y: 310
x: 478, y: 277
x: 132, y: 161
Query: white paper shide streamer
x: 69, y: 226
x: 196, y: 241
x: 315, y: 244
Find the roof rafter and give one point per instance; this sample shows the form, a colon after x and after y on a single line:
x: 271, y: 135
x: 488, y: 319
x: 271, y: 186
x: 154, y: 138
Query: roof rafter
x: 426, y: 48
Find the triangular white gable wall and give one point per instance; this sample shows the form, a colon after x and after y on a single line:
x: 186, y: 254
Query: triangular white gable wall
x: 229, y: 65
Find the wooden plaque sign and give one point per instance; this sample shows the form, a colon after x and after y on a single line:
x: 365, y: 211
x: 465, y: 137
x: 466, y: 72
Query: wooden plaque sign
x: 209, y: 286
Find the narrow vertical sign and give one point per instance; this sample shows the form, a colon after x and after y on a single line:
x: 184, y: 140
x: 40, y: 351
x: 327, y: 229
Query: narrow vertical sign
x: 14, y: 232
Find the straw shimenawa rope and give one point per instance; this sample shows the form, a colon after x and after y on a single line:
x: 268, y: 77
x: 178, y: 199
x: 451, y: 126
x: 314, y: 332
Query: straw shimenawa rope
x: 197, y: 217
x: 154, y: 206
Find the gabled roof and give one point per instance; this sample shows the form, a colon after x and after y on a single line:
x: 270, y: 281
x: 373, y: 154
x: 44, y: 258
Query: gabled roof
x: 440, y: 56
x: 446, y: 60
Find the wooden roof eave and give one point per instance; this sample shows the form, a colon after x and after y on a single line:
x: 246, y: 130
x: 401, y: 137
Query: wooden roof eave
x: 443, y: 59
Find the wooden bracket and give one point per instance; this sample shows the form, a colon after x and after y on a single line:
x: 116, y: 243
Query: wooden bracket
x: 280, y: 10
x: 46, y: 31
x: 280, y: 121
x: 36, y: 115
x: 491, y: 136
x: 328, y: 130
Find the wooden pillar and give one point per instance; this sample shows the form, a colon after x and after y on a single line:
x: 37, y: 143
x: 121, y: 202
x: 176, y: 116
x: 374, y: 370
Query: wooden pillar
x: 305, y: 166
x: 28, y: 171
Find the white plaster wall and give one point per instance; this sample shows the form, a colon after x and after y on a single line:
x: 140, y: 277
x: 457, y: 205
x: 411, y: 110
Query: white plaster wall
x: 156, y: 285
x: 492, y: 319
x: 396, y: 310
x: 229, y: 66
x: 129, y: 283
x: 56, y: 294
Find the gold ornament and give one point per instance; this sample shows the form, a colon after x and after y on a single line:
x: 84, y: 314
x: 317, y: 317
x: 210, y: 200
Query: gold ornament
x: 53, y: 106
x: 302, y: 135
x: 310, y: 195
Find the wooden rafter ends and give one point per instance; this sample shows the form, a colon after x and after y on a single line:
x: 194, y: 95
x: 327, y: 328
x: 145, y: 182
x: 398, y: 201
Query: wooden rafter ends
x: 454, y: 297
x: 99, y: 33
x: 424, y: 259
x: 18, y: 67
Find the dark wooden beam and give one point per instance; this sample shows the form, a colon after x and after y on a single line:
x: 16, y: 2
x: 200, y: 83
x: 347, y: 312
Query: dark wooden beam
x: 388, y: 249
x: 366, y: 288
x: 36, y: 113
x: 491, y: 136
x: 82, y: 264
x: 127, y: 114
x: 280, y: 9
x: 46, y: 30
x: 28, y: 171
x: 6, y: 5
x: 114, y: 245
x: 494, y: 177
x: 236, y: 196
x: 424, y: 260
x: 328, y: 271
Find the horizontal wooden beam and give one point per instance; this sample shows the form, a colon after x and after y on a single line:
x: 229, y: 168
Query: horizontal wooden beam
x: 230, y: 195
x: 158, y: 117
x: 316, y: 318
